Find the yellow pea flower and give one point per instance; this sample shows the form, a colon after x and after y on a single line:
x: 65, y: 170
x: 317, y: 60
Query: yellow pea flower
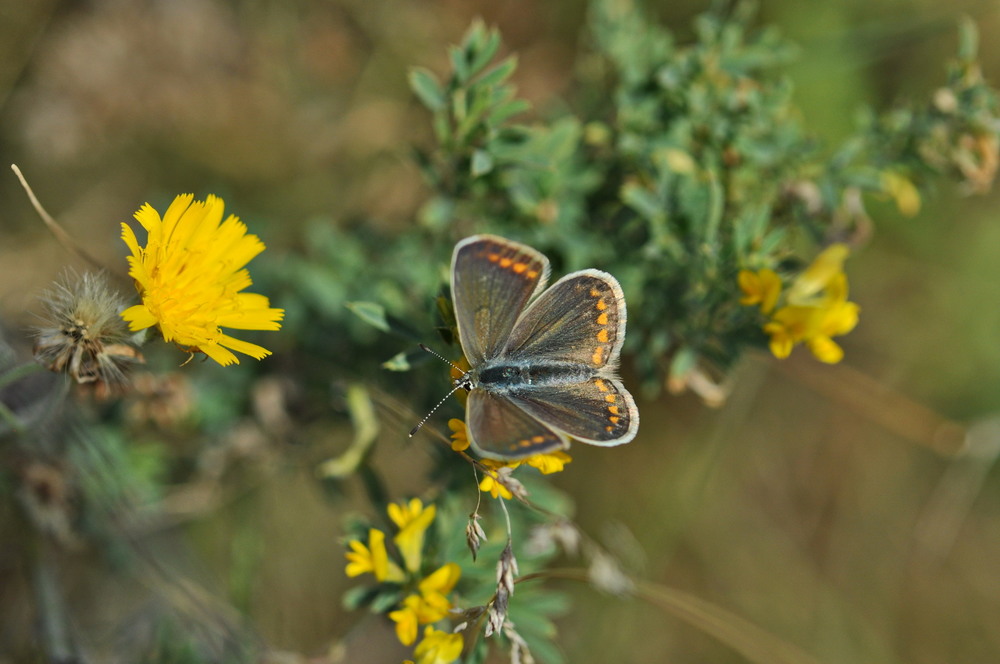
x: 372, y: 558
x: 762, y: 287
x: 438, y: 647
x: 549, y: 463
x: 412, y: 520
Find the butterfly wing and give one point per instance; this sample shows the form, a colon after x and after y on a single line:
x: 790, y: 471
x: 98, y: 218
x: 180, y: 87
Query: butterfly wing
x: 579, y: 320
x: 492, y: 280
x: 599, y: 411
x: 501, y: 430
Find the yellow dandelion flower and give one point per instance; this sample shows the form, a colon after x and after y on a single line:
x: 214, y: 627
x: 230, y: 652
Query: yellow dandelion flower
x: 549, y: 463
x: 438, y: 647
x: 372, y: 558
x: 190, y: 274
x: 762, y: 287
x: 459, y: 436
x: 412, y: 520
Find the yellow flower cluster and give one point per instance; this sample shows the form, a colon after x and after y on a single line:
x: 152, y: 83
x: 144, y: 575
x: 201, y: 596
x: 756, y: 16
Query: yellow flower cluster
x: 545, y: 463
x: 813, y: 310
x: 427, y: 601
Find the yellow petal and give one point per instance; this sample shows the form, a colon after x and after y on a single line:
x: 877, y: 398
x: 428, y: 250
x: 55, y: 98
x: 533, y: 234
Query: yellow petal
x: 218, y: 353
x: 138, y: 317
x: 406, y: 622
x: 815, y: 278
x: 442, y: 580
x: 245, y: 347
x: 825, y: 349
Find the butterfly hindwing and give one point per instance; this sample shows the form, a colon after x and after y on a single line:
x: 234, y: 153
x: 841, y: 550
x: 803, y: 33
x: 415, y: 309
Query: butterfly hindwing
x: 493, y: 280
x: 499, y: 429
x: 599, y: 411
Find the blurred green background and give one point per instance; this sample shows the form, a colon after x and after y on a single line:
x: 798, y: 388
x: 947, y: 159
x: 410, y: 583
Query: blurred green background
x: 820, y: 503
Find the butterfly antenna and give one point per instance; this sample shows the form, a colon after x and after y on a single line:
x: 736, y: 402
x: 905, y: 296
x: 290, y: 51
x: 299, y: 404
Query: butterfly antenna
x: 439, y: 403
x: 458, y: 385
x: 440, y: 357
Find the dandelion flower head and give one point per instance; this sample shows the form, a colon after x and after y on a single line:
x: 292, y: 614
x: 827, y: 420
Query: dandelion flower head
x: 190, y: 276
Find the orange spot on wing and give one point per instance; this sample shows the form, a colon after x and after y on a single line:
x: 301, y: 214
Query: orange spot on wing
x: 614, y: 419
x: 601, y: 306
x: 493, y: 257
x: 613, y: 410
x: 506, y: 262
x: 602, y: 319
x: 602, y: 336
x: 520, y: 267
x: 598, y: 355
x: 594, y: 292
x: 610, y: 398
x: 532, y: 274
x: 600, y: 385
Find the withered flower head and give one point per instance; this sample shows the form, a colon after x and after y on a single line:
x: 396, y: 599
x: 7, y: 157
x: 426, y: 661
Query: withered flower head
x: 81, y: 333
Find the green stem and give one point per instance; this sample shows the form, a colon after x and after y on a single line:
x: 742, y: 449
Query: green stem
x: 17, y: 373
x: 11, y: 418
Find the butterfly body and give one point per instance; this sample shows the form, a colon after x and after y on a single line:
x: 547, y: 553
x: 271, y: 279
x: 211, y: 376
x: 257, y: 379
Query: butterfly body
x: 504, y: 376
x: 542, y: 361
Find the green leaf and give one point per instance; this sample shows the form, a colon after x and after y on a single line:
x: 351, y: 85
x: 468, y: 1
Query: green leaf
x: 508, y: 110
x: 387, y: 598
x: 482, y: 163
x: 643, y: 201
x: 485, y: 47
x: 366, y: 428
x: 428, y: 90
x: 371, y: 313
x: 358, y: 596
x: 459, y: 64
x: 499, y: 72
x: 399, y: 362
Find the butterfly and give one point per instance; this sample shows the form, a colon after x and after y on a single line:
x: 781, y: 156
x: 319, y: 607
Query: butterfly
x: 542, y: 361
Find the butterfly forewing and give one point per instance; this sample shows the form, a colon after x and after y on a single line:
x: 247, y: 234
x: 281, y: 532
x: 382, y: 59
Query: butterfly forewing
x: 499, y: 429
x: 492, y: 281
x: 579, y: 320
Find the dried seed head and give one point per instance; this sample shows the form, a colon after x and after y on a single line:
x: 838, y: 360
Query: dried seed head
x: 506, y: 571
x: 497, y: 612
x: 606, y: 574
x: 519, y: 652
x: 506, y: 478
x: 474, y: 534
x: 545, y: 537
x: 82, y: 334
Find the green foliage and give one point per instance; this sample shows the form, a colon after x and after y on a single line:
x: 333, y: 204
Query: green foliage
x: 693, y: 165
